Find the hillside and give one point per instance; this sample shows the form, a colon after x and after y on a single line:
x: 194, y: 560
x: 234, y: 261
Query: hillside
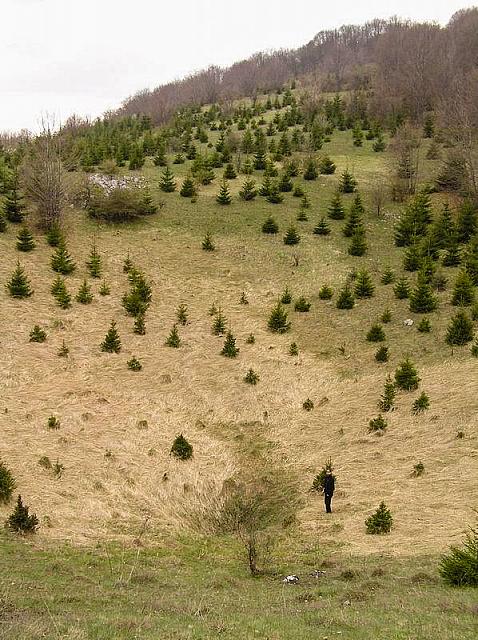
x: 117, y: 426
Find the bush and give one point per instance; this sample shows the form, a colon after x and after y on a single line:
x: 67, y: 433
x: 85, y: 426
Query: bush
x: 251, y: 377
x: 37, y: 334
x: 181, y: 448
x: 21, y: 521
x: 378, y: 424
x: 120, y: 205
x: 460, y: 567
x: 7, y: 484
x: 379, y: 522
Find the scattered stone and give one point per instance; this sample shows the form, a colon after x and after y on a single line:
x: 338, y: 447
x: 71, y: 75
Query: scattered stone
x: 291, y: 579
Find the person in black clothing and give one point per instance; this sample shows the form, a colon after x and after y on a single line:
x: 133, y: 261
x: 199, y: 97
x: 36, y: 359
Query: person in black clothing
x: 329, y: 486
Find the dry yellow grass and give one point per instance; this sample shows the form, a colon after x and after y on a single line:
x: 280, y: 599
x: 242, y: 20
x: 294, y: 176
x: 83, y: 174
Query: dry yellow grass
x: 100, y: 403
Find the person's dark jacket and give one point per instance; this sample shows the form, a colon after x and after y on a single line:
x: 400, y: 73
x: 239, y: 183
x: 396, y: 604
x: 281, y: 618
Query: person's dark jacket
x: 329, y: 485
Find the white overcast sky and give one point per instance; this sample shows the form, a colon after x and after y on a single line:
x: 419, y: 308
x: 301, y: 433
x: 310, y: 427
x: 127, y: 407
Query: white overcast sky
x: 85, y: 56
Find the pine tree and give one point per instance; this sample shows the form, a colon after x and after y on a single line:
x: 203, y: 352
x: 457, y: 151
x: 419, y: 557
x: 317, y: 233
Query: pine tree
x: 422, y: 403
x: 452, y: 257
x: 274, y: 196
x: 386, y: 316
x: 310, y: 170
x: 229, y: 172
x: 467, y: 221
x: 304, y: 201
x: 347, y: 184
x: 380, y: 522
x: 414, y: 221
x: 387, y: 399
x: 463, y: 291
x: 182, y: 314
x: 229, y: 349
x: 406, y: 376
x: 251, y: 377
x: 21, y: 521
x: 378, y: 424
x: 181, y: 448
x: 7, y: 484
x: 325, y: 292
x: 13, y: 206
x: 326, y: 166
x: 460, y: 330
x: 422, y: 299
x: 286, y: 297
x: 428, y: 127
x: 37, y: 334
x: 139, y: 324
x: 375, y: 333
x: 259, y: 160
x: 364, y: 287
x: 112, y: 342
x: 127, y: 264
x: 424, y: 326
x: 167, y: 183
x: 25, y: 240
x: 291, y: 237
x: 382, y: 354
x: 460, y: 567
x: 94, y: 263
x: 219, y: 324
x: 402, y: 289
x: 354, y: 219
x: 63, y: 351
x: 134, y: 364
x: 302, y: 305
x: 278, y: 320
x: 19, y: 285
x: 358, y: 245
x: 248, y: 191
x: 54, y: 235
x: 61, y: 261
x: 293, y: 349
x: 336, y: 210
x: 265, y: 187
x: 61, y: 295
x: 84, y: 295
x: 207, y: 243
x: 388, y: 276
x: 322, y: 228
x: 379, y: 145
x: 285, y: 184
x: 270, y: 226
x: 173, y: 340
x: 188, y: 188
x: 105, y: 289
x: 346, y: 298
x: 224, y: 195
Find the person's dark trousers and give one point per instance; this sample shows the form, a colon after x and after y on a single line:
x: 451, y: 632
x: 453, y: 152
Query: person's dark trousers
x: 328, y: 500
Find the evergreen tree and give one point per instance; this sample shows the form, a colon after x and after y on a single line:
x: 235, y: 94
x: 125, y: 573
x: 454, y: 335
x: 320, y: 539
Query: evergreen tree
x: 379, y: 145
x: 378, y: 425
x: 414, y: 221
x: 463, y: 291
x: 134, y: 364
x: 84, y: 295
x: 346, y: 298
x: 452, y: 257
x: 443, y: 229
x: 219, y: 324
x: 19, y: 285
x: 382, y: 354
x: 354, y: 219
x: 364, y: 287
x: 375, y: 333
x: 21, y: 521
x: 139, y: 326
x: 347, y: 184
x: 159, y: 159
x: 229, y: 349
x: 325, y: 292
x: 207, y: 243
x: 358, y: 245
x: 304, y: 201
x: 274, y: 196
x: 25, y: 240
x: 293, y: 349
x: 386, y: 316
x: 388, y: 276
x: 422, y: 299
x: 173, y: 340
x: 270, y: 226
x: 302, y: 305
x: 387, y: 399
x: 259, y: 160
x: 402, y: 289
x: 3, y: 223
x: 322, y: 228
x: 37, y: 334
x: 127, y: 264
x: 112, y: 342
x: 265, y: 187
x: 224, y: 195
x: 285, y: 184
x: 467, y: 221
x: 248, y: 191
x: 291, y: 237
x: 424, y: 326
x: 182, y: 314
x: 61, y: 294
x: 460, y: 330
x: 61, y: 261
x: 428, y: 127
x: 278, y: 319
x: 326, y: 166
x: 422, y: 403
x: 7, y: 484
x: 251, y: 377
x: 412, y: 259
x: 460, y: 567
x: 406, y: 376
x: 13, y: 204
x: 229, y: 172
x: 181, y: 448
x: 105, y: 289
x: 380, y: 522
x: 94, y: 264
x: 286, y: 297
x: 63, y: 351
x: 188, y: 188
x: 54, y: 235
x: 336, y: 210
x: 310, y: 170
x: 167, y: 183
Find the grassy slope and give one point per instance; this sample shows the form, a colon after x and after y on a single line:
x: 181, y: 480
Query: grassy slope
x: 195, y: 391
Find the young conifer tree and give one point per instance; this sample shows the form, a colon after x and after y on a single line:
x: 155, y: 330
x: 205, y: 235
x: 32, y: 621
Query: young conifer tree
x: 19, y: 285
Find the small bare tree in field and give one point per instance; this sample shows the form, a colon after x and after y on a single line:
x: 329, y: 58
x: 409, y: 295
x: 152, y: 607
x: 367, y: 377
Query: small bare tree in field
x: 44, y: 177
x: 257, y: 508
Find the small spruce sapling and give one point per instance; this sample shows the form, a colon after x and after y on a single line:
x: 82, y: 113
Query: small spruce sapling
x: 422, y: 403
x: 37, y: 334
x: 21, y: 521
x: 379, y: 522
x: 230, y: 350
x: 181, y: 448
x: 251, y: 377
x: 173, y: 340
x: 406, y: 376
x: 112, y: 342
x: 382, y: 354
